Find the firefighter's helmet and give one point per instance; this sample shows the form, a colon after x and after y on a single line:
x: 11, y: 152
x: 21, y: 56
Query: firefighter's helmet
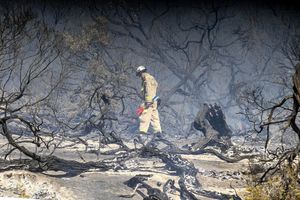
x: 140, y: 69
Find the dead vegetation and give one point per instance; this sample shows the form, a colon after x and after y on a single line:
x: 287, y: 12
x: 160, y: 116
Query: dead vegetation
x: 27, y: 111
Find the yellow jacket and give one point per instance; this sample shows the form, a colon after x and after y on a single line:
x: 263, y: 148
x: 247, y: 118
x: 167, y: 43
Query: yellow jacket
x: 149, y: 87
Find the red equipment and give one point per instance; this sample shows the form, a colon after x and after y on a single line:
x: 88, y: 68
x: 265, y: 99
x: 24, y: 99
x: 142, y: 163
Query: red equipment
x: 139, y: 111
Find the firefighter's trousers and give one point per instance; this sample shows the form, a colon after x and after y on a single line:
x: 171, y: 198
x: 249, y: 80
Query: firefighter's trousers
x: 150, y: 116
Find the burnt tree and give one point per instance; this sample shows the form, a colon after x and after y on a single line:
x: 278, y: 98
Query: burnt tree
x: 211, y: 121
x: 283, y: 114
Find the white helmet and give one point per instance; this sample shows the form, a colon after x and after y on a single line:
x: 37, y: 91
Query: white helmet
x: 140, y: 69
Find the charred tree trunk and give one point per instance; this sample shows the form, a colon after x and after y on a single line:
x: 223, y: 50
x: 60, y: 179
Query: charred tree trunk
x: 211, y: 121
x: 296, y: 82
x: 296, y: 105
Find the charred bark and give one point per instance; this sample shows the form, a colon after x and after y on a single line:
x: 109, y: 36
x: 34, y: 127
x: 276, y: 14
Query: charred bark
x: 211, y: 121
x: 296, y: 82
x: 53, y: 163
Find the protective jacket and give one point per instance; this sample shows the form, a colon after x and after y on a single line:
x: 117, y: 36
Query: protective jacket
x: 149, y: 87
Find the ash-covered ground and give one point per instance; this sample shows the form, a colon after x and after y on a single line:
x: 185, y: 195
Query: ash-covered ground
x: 214, y: 174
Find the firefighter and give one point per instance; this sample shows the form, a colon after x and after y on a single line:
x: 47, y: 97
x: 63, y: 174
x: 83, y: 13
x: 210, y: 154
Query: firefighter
x: 149, y: 113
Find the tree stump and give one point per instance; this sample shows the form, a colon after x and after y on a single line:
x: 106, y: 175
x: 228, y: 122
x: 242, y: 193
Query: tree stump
x: 211, y: 121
